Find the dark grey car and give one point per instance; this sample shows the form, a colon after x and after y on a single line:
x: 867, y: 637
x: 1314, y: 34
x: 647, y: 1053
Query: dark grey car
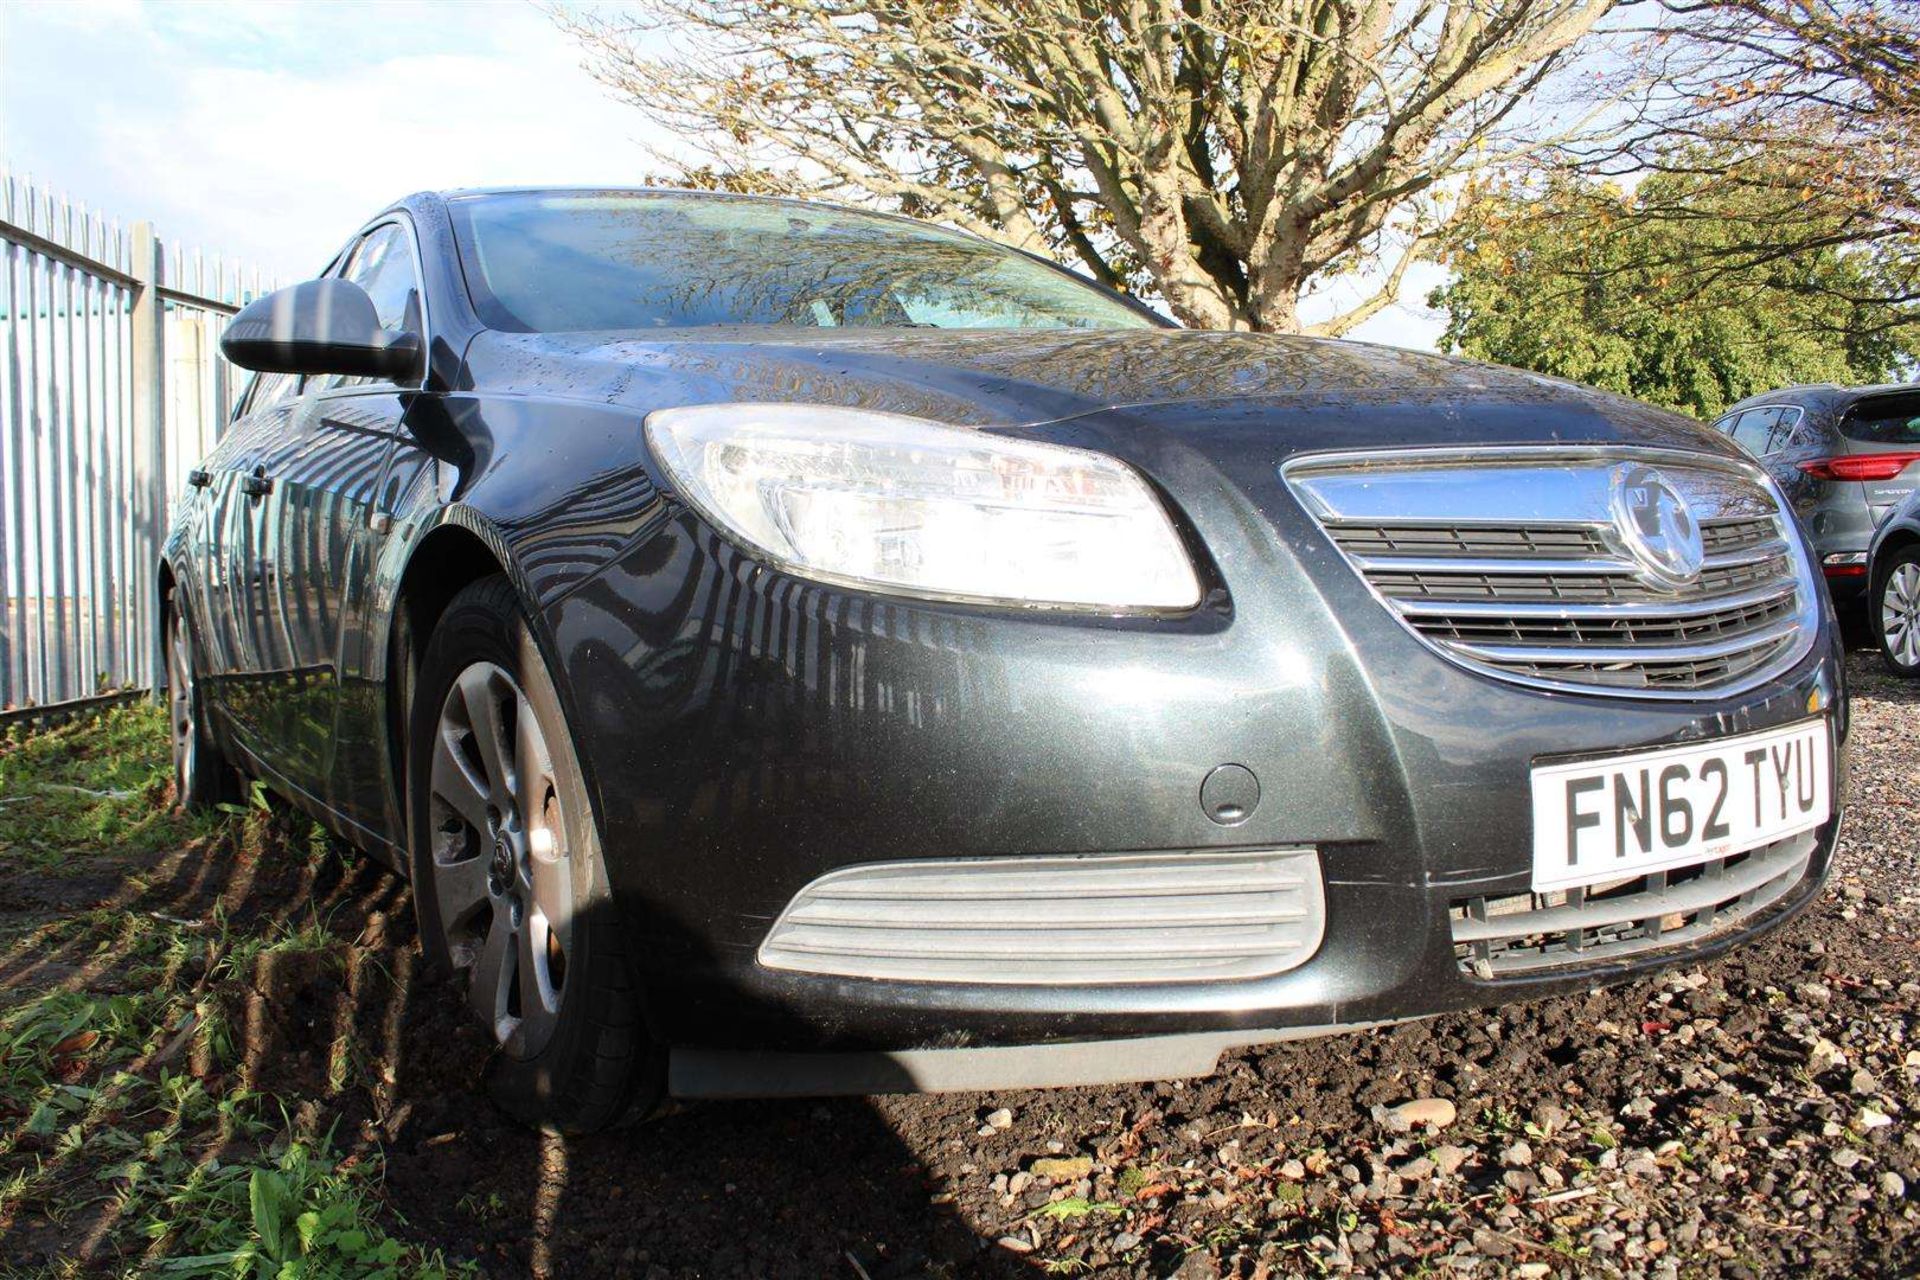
x: 794, y: 650
x: 1844, y: 456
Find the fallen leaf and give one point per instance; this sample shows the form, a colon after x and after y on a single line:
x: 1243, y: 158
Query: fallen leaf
x: 78, y: 1042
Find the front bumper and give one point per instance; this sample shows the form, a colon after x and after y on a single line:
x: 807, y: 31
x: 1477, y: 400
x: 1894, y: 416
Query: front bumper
x: 822, y: 731
x: 748, y: 732
x: 957, y: 1062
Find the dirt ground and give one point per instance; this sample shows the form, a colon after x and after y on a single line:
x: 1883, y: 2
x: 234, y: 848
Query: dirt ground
x: 1754, y: 1116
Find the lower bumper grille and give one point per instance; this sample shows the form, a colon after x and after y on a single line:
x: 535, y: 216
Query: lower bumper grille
x: 1100, y: 919
x: 1534, y: 934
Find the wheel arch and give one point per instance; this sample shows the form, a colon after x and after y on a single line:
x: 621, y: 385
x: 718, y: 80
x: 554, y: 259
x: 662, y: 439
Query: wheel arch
x: 445, y: 560
x: 171, y: 592
x: 457, y: 552
x: 167, y: 582
x: 1896, y: 540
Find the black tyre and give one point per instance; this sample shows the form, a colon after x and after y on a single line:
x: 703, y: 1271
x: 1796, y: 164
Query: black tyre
x: 202, y: 775
x: 508, y: 878
x: 1896, y: 612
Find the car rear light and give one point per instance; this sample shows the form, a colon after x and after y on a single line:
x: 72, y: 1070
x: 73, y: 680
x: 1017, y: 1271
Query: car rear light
x: 1859, y: 466
x: 1845, y: 564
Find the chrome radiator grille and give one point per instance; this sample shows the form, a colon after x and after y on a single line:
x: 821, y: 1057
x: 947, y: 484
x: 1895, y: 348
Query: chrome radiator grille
x: 1520, y: 565
x: 1112, y: 918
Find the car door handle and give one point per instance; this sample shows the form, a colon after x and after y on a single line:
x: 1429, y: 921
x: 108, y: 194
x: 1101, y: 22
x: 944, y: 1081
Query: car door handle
x: 199, y: 479
x: 257, y: 485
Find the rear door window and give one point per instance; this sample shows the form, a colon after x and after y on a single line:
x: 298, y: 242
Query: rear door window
x: 1754, y: 429
x: 1787, y: 433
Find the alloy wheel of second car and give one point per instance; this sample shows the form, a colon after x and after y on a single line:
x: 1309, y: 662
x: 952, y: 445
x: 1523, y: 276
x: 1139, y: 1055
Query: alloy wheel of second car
x: 1900, y: 615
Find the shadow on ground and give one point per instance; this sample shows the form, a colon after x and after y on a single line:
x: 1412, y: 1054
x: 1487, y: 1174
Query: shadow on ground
x: 338, y: 1018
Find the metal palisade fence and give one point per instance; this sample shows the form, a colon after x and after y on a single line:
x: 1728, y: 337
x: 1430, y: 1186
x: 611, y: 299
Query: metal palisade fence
x: 111, y: 386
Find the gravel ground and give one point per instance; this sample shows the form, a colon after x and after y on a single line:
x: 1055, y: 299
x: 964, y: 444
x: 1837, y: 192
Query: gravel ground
x: 1750, y: 1117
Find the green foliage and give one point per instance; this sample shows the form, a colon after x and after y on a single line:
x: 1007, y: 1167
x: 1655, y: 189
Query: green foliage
x: 48, y: 1045
x: 95, y: 785
x: 117, y: 1094
x: 1660, y: 296
x: 1077, y: 1207
x: 188, y: 1165
x: 299, y: 1218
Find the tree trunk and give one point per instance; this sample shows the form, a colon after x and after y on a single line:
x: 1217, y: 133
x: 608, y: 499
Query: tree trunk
x: 1277, y: 275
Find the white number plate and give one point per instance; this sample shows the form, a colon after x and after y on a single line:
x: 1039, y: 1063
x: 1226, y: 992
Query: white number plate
x: 1599, y: 820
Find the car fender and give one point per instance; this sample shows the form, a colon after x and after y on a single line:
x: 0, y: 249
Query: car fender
x: 481, y: 483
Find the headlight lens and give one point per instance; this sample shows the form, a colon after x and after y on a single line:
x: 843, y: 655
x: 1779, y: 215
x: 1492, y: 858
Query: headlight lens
x: 893, y: 502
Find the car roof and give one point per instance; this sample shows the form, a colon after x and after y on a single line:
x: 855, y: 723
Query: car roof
x: 1820, y: 395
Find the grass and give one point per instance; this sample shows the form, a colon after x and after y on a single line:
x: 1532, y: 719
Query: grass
x: 95, y: 785
x: 136, y: 1134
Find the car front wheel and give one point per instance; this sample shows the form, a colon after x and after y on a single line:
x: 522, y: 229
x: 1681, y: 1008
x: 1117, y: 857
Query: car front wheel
x: 1897, y: 613
x: 508, y: 876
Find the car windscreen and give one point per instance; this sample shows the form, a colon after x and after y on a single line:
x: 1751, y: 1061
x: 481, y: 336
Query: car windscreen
x: 1891, y: 421
x: 545, y: 262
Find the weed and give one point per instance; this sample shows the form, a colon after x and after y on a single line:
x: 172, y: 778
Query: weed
x: 1077, y: 1207
x: 481, y: 1208
x: 1501, y: 1119
x: 95, y: 785
x: 1567, y: 1247
x: 296, y: 1217
x: 1227, y: 1234
x: 49, y: 1044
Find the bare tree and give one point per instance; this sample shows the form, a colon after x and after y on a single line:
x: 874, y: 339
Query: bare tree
x: 1795, y: 125
x: 1226, y: 155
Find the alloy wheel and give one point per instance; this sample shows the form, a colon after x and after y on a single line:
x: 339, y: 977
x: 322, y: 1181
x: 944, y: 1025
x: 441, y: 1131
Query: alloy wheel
x: 186, y: 736
x: 503, y: 883
x: 1900, y: 614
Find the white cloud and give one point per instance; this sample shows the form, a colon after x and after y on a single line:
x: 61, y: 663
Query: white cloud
x: 272, y: 131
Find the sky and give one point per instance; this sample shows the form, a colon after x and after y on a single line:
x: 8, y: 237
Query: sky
x: 270, y: 130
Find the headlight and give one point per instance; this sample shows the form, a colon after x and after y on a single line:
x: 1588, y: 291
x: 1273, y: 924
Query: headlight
x: 898, y: 503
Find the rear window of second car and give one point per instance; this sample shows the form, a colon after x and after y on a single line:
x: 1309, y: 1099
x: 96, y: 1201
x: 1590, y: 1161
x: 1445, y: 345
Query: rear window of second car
x: 1889, y: 421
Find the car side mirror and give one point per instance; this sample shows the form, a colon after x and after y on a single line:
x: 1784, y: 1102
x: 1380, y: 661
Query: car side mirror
x: 319, y: 326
